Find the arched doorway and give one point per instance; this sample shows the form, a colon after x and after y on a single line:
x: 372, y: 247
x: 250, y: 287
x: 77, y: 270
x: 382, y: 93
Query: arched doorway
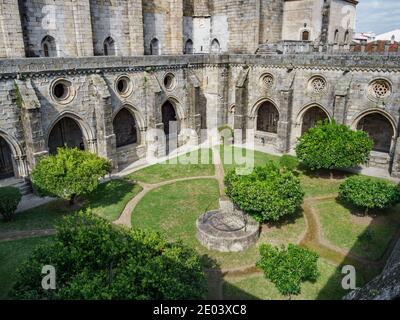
x: 109, y: 47
x: 267, y: 118
x: 168, y: 116
x: 379, y: 129
x: 49, y: 47
x: 305, y: 35
x: 311, y: 117
x: 66, y: 133
x: 155, y: 47
x: 125, y: 128
x: 215, y: 46
x: 6, y: 164
x: 189, y: 47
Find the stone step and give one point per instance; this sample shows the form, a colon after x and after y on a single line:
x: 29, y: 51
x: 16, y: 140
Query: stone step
x: 23, y: 186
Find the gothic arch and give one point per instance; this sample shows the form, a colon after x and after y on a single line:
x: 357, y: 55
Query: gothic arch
x: 381, y: 127
x: 17, y: 155
x: 215, y: 46
x: 310, y: 114
x: 155, y: 47
x: 139, y: 118
x: 109, y: 47
x: 125, y: 128
x: 267, y: 117
x: 189, y: 47
x: 49, y: 46
x: 87, y: 135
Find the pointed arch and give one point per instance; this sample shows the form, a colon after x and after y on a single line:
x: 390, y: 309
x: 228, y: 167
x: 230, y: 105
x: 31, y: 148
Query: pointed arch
x: 310, y: 115
x: 125, y: 128
x: 48, y: 47
x: 155, y: 47
x: 215, y: 46
x: 69, y: 130
x: 109, y: 48
x: 15, y: 154
x: 267, y: 117
x: 380, y: 126
x: 189, y: 47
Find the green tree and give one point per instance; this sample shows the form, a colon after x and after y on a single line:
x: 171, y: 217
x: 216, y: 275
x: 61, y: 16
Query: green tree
x: 69, y: 174
x: 369, y: 193
x: 97, y: 260
x: 267, y: 194
x: 329, y: 145
x: 10, y: 198
x: 288, y: 268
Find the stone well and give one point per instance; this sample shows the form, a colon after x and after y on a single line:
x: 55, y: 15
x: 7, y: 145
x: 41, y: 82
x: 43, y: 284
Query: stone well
x: 227, y: 229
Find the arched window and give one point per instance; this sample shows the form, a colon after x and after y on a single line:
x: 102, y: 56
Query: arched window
x: 379, y: 129
x: 311, y: 117
x: 168, y: 117
x: 125, y: 128
x: 267, y: 118
x: 189, y: 47
x: 347, y: 37
x: 336, y: 36
x: 6, y: 164
x: 49, y: 48
x: 155, y: 47
x: 215, y: 46
x: 305, y: 35
x: 109, y: 47
x: 66, y: 133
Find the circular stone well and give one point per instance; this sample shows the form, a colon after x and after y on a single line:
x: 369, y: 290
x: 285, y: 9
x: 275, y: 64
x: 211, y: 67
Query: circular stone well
x: 227, y: 229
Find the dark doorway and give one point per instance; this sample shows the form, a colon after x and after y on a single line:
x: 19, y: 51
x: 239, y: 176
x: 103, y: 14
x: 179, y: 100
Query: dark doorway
x: 311, y: 117
x: 267, y: 118
x: 6, y: 165
x: 379, y: 129
x: 168, y: 116
x: 305, y: 36
x: 66, y: 133
x: 125, y: 128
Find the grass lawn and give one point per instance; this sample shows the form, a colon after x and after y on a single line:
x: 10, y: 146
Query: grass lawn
x: 196, y: 163
x: 12, y: 254
x: 107, y: 201
x: 110, y: 199
x: 257, y: 287
x: 174, y: 209
x: 363, y: 236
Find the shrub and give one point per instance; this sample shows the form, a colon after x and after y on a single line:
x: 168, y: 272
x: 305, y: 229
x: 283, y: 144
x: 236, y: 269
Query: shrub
x: 94, y: 259
x: 368, y: 193
x: 10, y: 198
x: 226, y: 133
x: 289, y: 162
x: 329, y: 145
x: 288, y: 268
x: 69, y: 174
x: 267, y: 194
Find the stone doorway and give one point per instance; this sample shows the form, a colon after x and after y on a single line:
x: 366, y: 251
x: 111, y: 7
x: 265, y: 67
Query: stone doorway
x: 125, y: 128
x: 311, y: 117
x: 66, y: 133
x: 379, y: 129
x: 171, y: 126
x: 6, y: 164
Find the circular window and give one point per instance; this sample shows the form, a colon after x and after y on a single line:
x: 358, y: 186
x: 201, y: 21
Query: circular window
x: 317, y: 85
x: 380, y: 89
x: 124, y: 86
x: 169, y: 81
x: 267, y: 80
x: 62, y: 91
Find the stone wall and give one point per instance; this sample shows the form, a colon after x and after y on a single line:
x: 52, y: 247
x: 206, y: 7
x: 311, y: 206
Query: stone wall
x: 11, y: 39
x: 208, y: 91
x: 122, y: 21
x: 68, y: 22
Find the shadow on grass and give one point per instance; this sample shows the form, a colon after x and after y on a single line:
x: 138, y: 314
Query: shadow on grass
x: 366, y: 269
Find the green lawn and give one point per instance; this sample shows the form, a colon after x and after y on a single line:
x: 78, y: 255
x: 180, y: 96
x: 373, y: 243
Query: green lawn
x: 107, y: 201
x: 196, y: 163
x: 110, y: 199
x: 257, y: 287
x: 12, y: 254
x: 365, y: 238
x: 174, y: 209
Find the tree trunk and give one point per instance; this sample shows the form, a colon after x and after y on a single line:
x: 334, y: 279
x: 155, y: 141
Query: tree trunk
x: 72, y: 200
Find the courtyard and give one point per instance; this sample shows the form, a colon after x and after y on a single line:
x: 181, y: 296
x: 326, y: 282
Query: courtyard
x: 169, y: 197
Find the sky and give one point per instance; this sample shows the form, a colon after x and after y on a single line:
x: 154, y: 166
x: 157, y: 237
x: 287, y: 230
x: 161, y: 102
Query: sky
x: 378, y: 16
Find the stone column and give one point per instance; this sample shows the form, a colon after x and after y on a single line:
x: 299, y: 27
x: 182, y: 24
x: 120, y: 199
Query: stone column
x: 241, y: 101
x: 285, y: 120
